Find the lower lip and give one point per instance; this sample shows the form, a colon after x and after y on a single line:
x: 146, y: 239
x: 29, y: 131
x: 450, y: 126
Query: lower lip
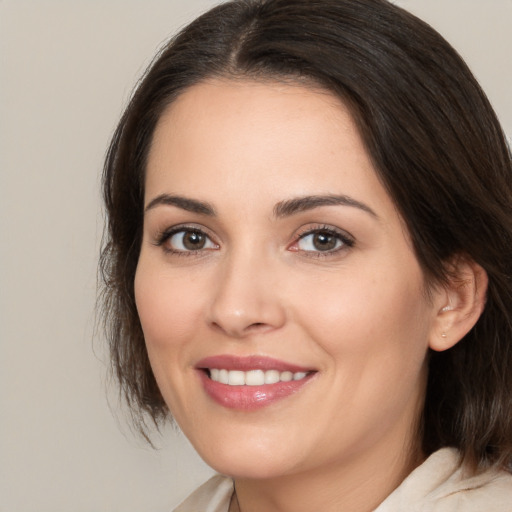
x: 249, y: 398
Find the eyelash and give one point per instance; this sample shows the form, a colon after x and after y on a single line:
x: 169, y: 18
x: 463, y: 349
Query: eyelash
x: 346, y: 240
x: 166, y: 235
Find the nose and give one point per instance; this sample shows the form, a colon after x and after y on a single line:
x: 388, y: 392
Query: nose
x: 245, y: 299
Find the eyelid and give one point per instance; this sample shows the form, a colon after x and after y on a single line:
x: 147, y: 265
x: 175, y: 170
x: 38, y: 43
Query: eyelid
x: 163, y: 236
x: 346, y: 238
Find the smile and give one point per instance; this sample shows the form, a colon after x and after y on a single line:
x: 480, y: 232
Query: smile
x: 253, y: 377
x: 250, y: 383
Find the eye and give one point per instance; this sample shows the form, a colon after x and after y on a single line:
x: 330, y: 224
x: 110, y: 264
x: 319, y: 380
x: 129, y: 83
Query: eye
x: 322, y: 240
x: 186, y: 240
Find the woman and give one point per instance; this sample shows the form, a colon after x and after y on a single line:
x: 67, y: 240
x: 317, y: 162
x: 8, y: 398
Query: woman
x: 308, y: 261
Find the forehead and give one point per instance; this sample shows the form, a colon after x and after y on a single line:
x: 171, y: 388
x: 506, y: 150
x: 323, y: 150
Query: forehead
x: 252, y: 139
x: 219, y: 114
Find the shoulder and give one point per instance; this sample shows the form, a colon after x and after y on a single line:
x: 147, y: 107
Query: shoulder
x: 490, y: 491
x: 213, y: 496
x: 440, y: 485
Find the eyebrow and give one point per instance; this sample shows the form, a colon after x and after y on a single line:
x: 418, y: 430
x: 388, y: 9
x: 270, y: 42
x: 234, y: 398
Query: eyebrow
x: 302, y: 204
x: 190, y: 205
x: 285, y: 208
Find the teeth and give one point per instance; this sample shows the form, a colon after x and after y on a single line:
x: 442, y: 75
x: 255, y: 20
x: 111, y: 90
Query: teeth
x: 253, y: 377
x: 236, y: 378
x: 272, y: 376
x: 224, y: 376
x: 286, y: 376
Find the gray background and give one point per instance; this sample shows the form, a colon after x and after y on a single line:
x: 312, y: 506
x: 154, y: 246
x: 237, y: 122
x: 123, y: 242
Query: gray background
x: 66, y: 70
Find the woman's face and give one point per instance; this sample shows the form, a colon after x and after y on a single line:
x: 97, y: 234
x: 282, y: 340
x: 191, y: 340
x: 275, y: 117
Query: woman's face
x: 272, y: 252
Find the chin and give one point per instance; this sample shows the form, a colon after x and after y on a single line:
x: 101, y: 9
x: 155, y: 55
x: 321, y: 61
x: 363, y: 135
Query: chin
x: 254, y: 461
x: 247, y: 468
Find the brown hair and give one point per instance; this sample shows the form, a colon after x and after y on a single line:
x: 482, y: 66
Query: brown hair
x: 436, y: 145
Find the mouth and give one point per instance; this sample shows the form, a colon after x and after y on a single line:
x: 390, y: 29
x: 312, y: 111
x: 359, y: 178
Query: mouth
x: 253, y: 377
x: 248, y: 383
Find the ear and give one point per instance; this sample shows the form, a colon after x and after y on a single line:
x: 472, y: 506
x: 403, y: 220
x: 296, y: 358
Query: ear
x: 459, y: 303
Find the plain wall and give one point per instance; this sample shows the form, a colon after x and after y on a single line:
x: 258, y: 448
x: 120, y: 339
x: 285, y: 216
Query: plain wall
x: 66, y: 70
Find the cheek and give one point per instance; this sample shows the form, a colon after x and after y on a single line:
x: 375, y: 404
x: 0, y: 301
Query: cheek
x: 167, y: 305
x: 374, y: 318
x: 374, y: 335
x: 169, y: 312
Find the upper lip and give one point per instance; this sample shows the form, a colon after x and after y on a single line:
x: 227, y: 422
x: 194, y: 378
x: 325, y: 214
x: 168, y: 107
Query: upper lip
x: 246, y: 363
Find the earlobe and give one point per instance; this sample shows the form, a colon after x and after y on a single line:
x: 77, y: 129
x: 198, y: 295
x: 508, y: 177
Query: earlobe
x: 463, y: 300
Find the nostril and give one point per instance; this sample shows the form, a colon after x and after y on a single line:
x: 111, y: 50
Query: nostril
x: 256, y: 326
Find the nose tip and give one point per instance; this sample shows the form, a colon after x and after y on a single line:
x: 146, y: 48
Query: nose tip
x: 245, y: 303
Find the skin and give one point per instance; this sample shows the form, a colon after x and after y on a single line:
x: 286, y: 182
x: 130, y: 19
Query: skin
x: 358, y: 315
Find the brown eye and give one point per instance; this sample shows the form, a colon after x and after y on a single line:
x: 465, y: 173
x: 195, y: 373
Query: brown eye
x: 193, y: 241
x: 323, y: 240
x: 187, y: 240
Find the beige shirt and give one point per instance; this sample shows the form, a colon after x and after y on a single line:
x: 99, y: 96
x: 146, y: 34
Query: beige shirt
x: 438, y: 485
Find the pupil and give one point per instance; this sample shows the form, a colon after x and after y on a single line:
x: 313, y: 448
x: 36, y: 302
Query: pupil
x: 193, y: 241
x: 324, y: 241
